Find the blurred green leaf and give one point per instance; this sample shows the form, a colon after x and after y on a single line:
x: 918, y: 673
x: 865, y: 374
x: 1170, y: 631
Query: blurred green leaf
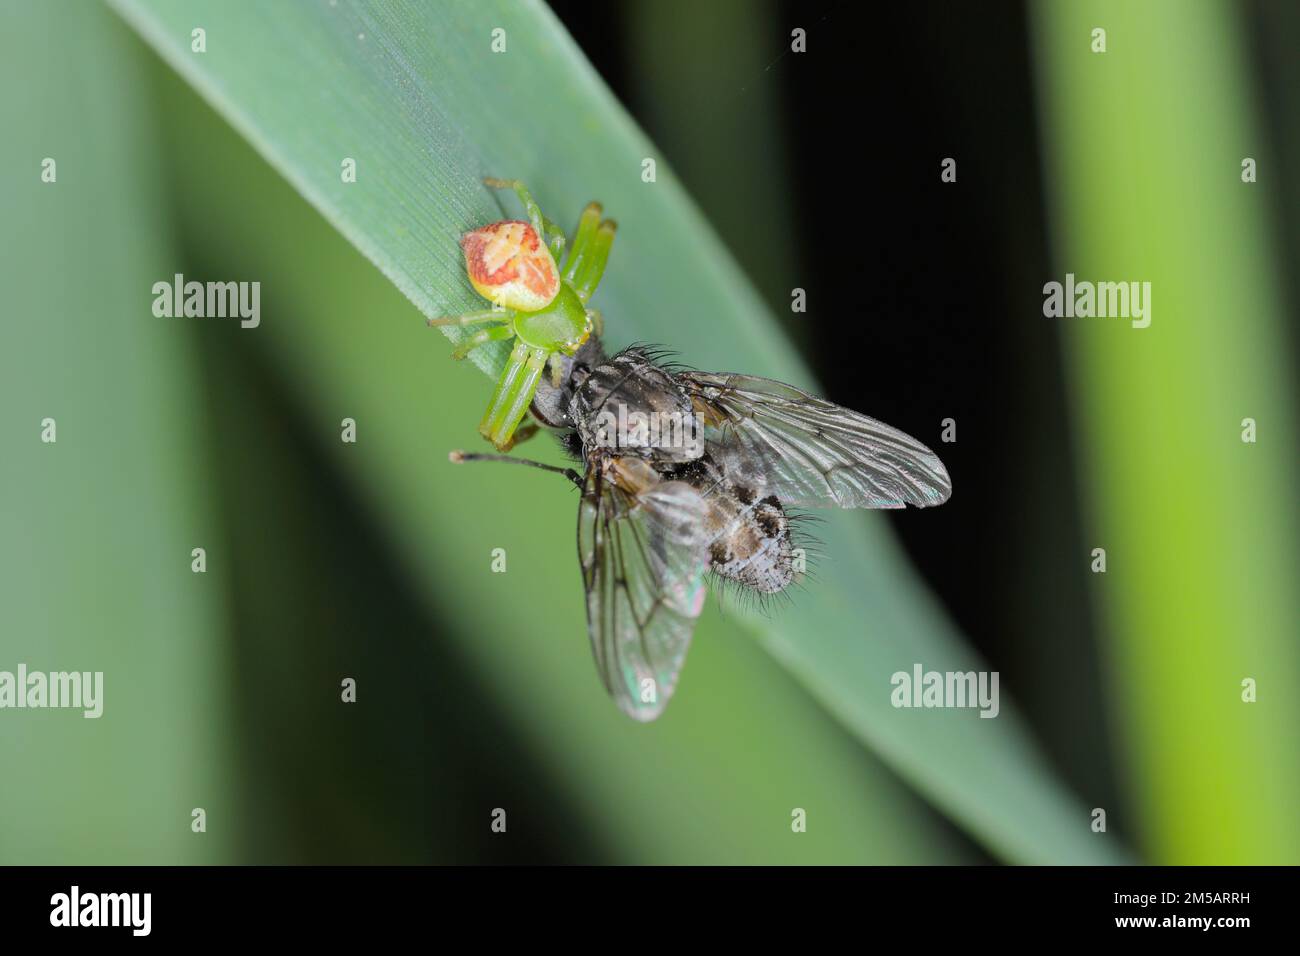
x: 1200, y: 528
x: 415, y: 94
x: 98, y: 527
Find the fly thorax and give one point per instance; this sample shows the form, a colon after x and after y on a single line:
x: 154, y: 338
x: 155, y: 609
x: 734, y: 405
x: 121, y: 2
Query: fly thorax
x: 631, y: 407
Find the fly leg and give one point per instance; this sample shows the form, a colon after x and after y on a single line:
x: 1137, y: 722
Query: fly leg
x: 459, y: 457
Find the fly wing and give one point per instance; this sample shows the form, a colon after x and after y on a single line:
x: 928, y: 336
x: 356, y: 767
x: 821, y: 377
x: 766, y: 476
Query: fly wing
x: 643, y: 561
x: 809, y: 452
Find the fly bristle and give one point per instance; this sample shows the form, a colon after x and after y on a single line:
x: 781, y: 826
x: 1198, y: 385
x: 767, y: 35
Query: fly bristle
x: 659, y: 356
x: 801, y: 538
x: 732, y: 592
x: 800, y: 534
x: 571, y: 444
x: 797, y: 584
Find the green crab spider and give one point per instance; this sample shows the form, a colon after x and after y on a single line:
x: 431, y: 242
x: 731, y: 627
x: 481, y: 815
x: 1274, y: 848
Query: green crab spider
x: 512, y: 264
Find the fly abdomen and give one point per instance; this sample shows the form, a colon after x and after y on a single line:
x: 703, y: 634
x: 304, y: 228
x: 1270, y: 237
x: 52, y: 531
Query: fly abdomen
x: 752, y: 543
